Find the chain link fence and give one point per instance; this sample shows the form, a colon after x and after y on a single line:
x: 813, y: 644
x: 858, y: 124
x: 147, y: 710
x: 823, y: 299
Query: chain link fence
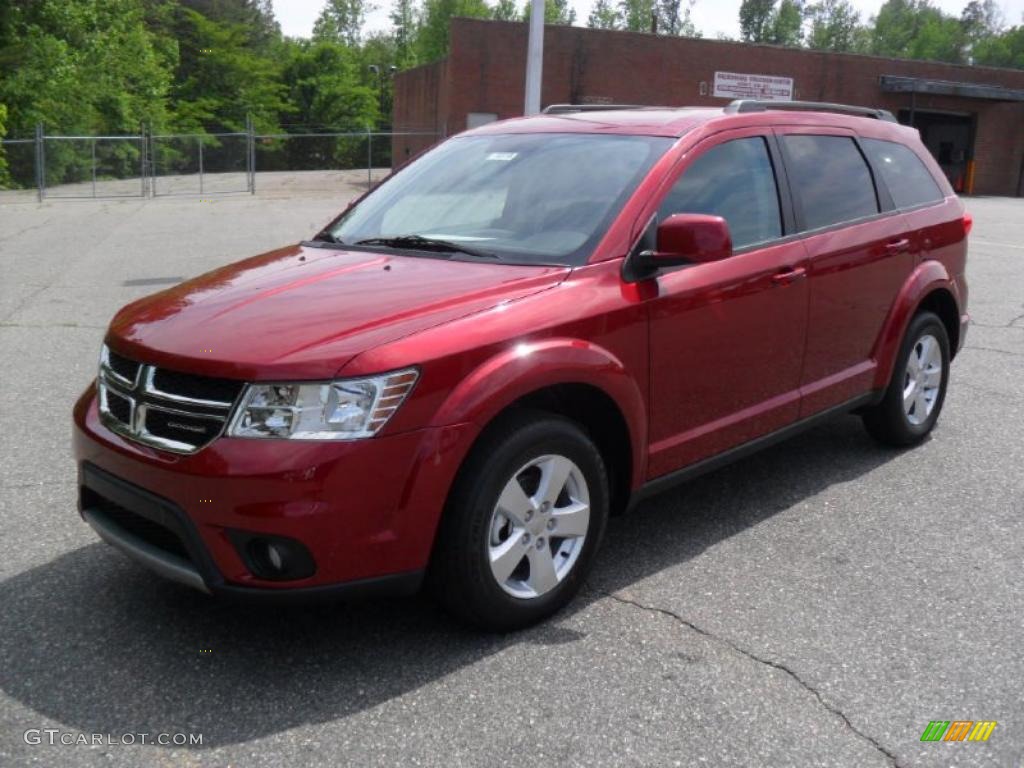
x: 152, y: 165
x: 201, y: 164
x: 93, y: 166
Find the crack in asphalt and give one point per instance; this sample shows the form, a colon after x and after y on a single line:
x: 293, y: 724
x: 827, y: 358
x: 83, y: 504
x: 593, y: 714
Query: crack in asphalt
x: 1009, y: 324
x: 760, y: 660
x: 6, y: 324
x: 987, y: 390
x: 46, y: 223
x: 27, y: 300
x: 993, y: 349
x: 19, y: 486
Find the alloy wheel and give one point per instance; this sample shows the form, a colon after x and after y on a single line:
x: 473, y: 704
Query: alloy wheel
x: 538, y: 526
x: 922, y: 379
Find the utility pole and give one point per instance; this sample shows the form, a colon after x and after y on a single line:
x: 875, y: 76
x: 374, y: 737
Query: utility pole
x: 381, y: 72
x: 534, y: 58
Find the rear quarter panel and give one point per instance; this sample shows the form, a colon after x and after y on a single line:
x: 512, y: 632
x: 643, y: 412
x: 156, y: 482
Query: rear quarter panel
x: 939, y: 247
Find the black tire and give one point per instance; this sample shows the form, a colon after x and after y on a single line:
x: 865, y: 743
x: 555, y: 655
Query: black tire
x: 887, y: 421
x: 460, y: 575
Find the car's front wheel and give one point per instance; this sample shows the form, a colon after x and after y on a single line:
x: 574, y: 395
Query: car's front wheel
x: 912, y: 402
x: 523, y: 522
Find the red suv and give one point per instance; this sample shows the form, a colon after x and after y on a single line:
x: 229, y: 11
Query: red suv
x: 526, y: 329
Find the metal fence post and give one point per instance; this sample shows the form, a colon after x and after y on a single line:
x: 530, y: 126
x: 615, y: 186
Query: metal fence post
x: 143, y: 157
x: 369, y: 157
x: 199, y: 140
x: 250, y: 153
x: 94, y: 167
x: 40, y: 163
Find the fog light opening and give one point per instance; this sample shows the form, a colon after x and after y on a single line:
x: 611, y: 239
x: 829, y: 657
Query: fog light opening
x: 274, y: 558
x: 269, y: 558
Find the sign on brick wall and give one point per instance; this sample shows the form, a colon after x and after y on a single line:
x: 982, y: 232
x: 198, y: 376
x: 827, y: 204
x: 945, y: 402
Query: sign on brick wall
x: 733, y: 85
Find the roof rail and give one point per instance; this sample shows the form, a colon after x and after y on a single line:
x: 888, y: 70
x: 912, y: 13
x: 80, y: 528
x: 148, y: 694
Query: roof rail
x: 563, y: 109
x: 740, y: 106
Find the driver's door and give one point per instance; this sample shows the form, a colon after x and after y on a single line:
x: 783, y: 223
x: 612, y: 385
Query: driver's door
x: 727, y: 337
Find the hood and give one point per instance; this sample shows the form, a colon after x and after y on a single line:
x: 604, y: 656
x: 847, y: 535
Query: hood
x: 302, y: 312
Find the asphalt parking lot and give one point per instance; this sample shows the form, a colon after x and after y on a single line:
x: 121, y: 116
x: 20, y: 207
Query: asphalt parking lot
x: 817, y: 604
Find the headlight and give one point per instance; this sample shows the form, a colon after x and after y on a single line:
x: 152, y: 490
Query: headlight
x: 335, y: 410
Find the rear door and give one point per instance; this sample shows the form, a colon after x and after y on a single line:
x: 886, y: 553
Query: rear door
x: 727, y: 338
x: 859, y: 255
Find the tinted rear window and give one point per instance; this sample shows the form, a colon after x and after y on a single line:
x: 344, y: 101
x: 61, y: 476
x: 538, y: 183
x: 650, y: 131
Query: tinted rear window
x: 907, y: 178
x: 831, y: 178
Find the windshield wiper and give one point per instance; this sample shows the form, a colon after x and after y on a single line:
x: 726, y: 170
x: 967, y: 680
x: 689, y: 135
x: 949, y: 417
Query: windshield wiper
x: 419, y: 242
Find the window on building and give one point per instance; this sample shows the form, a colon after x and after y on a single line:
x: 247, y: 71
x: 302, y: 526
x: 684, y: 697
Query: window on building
x: 831, y: 179
x: 734, y: 180
x: 907, y: 178
x: 476, y: 119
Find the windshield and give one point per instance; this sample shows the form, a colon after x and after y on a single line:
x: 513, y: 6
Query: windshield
x: 538, y: 198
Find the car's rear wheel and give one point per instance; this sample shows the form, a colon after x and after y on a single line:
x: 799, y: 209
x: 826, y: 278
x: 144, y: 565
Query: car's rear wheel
x: 913, y: 400
x: 523, y: 522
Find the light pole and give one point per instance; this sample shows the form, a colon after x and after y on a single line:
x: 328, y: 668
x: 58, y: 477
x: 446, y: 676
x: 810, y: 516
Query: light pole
x: 534, y: 58
x: 379, y: 70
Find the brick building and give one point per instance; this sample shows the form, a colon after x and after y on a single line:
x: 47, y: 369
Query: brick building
x: 971, y: 118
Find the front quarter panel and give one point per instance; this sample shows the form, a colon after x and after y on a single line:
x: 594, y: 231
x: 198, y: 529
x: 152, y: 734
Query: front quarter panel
x: 590, y: 329
x: 530, y: 366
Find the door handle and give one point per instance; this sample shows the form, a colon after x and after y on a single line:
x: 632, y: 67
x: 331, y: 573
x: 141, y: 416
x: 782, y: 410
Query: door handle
x: 897, y: 246
x: 790, y: 275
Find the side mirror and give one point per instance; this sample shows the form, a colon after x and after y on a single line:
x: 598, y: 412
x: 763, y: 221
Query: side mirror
x: 688, y: 238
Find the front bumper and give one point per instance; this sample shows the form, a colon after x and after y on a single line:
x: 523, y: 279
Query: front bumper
x: 365, y: 510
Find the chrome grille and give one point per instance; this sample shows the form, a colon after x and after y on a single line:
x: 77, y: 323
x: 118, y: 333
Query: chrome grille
x: 166, y: 409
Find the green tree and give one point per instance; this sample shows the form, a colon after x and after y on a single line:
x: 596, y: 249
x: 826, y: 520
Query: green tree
x: 604, y: 15
x: 980, y: 20
x: 506, y: 10
x: 432, y: 40
x: 5, y: 178
x: 325, y: 86
x: 674, y: 18
x: 257, y: 16
x: 82, y: 66
x: 833, y: 26
x: 1003, y: 50
x: 756, y: 20
x: 939, y: 38
x: 786, y: 26
x: 637, y: 15
x: 377, y: 62
x: 914, y: 29
x: 555, y: 12
x: 403, y: 25
x: 342, y: 20
x: 222, y: 77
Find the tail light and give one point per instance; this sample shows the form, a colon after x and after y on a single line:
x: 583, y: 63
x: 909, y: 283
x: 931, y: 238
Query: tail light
x: 968, y: 223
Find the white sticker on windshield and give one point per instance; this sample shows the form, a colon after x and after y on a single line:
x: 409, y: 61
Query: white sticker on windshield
x: 502, y: 157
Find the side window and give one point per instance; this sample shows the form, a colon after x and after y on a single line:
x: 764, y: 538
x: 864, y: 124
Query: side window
x: 831, y: 178
x: 734, y: 180
x: 907, y: 178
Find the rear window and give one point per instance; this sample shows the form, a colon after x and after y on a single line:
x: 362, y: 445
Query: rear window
x: 907, y: 178
x: 831, y: 178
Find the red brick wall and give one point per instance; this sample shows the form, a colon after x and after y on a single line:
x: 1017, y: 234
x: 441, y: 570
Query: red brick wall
x: 485, y: 72
x: 420, y: 107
